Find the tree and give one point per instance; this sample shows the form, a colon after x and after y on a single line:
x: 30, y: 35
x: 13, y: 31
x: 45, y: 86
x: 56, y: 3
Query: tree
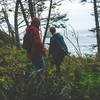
x: 10, y: 29
x: 97, y: 25
x: 16, y: 24
x: 4, y: 19
x: 55, y: 17
x: 96, y: 15
x: 31, y: 8
x: 25, y: 10
x: 48, y: 19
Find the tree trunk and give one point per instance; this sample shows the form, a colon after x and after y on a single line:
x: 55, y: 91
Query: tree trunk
x: 47, y: 23
x: 11, y: 31
x: 16, y: 25
x: 23, y: 11
x: 97, y: 27
x: 31, y: 8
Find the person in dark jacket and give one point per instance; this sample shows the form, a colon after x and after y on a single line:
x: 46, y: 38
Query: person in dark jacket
x: 57, y: 48
x: 37, y: 51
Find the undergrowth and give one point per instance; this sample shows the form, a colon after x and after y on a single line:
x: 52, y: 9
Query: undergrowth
x: 79, y: 78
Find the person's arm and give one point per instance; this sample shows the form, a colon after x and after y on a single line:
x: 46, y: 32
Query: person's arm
x: 43, y: 50
x: 35, y: 38
x: 40, y: 45
x: 49, y: 51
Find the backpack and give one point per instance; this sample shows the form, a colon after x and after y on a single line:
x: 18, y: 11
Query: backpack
x: 60, y: 44
x: 27, y: 44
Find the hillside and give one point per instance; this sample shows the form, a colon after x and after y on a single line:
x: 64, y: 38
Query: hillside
x: 79, y: 78
x: 4, y: 38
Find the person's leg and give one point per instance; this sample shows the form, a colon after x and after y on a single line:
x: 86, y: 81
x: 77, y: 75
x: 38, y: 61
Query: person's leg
x: 58, y: 67
x: 40, y: 64
x: 58, y: 63
x: 36, y: 62
x: 33, y: 63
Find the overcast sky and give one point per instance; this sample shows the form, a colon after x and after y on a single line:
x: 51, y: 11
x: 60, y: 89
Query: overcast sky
x: 79, y: 14
x: 81, y: 20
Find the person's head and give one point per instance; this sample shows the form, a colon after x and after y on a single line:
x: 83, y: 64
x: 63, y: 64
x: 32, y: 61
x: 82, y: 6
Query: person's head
x: 36, y: 22
x: 52, y: 30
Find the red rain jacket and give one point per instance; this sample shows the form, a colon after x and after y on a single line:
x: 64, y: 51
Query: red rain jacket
x: 37, y: 50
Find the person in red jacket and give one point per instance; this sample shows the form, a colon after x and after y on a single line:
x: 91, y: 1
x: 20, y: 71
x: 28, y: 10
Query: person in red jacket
x: 37, y: 50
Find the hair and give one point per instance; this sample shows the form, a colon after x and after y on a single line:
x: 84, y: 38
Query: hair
x: 52, y: 30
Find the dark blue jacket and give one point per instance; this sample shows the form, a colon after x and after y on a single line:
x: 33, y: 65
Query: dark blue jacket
x: 58, y: 48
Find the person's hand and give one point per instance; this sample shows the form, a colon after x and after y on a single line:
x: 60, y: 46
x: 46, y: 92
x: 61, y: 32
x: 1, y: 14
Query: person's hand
x: 44, y: 52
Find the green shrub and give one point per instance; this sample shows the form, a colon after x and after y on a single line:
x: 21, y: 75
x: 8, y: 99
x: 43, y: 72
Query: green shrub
x: 79, y: 78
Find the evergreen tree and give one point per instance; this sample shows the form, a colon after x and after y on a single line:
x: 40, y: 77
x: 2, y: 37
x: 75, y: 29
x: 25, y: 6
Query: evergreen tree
x: 96, y: 4
x: 25, y: 10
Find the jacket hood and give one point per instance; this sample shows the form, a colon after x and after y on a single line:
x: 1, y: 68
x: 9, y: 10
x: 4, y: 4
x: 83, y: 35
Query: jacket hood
x: 36, y: 21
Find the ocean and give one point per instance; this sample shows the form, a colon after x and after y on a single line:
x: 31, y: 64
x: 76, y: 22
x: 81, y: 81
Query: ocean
x: 85, y: 41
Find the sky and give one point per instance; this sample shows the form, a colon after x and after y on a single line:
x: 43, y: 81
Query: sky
x: 81, y: 20
x: 79, y: 14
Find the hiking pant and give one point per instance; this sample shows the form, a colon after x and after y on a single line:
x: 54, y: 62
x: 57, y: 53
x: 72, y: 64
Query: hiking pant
x: 58, y: 63
x: 39, y: 62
